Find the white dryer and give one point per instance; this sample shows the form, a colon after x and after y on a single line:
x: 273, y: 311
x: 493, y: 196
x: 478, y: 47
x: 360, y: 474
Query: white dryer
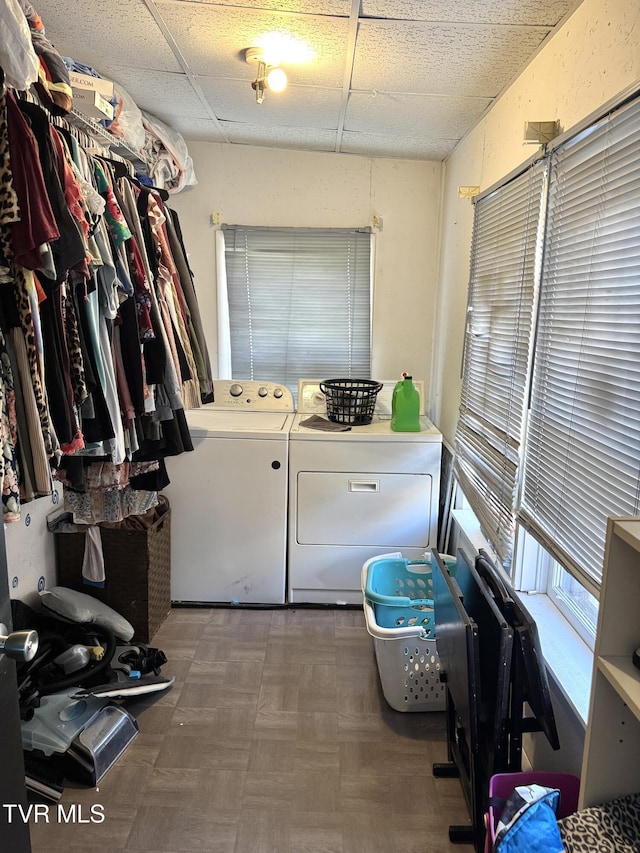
x: 356, y: 494
x: 229, y: 498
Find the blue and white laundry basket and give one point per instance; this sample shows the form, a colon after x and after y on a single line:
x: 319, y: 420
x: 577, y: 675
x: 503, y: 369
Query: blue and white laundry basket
x: 399, y: 614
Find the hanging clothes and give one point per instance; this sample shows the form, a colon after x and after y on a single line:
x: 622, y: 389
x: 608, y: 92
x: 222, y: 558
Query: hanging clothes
x: 194, y: 324
x: 101, y: 340
x: 36, y: 224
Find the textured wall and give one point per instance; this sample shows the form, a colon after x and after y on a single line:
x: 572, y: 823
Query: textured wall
x: 257, y: 186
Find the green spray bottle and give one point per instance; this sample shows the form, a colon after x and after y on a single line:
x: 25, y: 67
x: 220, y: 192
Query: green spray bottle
x: 405, y: 406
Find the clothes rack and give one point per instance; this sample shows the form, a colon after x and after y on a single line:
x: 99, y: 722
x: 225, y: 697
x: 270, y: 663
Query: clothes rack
x: 98, y: 319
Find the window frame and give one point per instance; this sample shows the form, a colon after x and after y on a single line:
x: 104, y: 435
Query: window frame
x: 353, y: 245
x: 535, y: 571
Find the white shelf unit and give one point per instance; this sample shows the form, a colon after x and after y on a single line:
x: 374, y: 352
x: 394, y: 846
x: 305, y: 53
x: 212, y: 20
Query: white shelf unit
x: 611, y: 765
x: 106, y: 140
x: 93, y: 131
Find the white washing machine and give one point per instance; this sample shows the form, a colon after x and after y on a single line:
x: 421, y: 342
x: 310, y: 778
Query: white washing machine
x: 356, y: 494
x: 229, y: 497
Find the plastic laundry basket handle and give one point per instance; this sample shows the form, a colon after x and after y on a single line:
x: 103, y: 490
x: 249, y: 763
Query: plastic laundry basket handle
x: 398, y: 600
x: 395, y: 600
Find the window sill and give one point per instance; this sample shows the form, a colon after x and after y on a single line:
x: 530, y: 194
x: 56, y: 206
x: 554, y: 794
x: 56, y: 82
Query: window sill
x: 568, y: 658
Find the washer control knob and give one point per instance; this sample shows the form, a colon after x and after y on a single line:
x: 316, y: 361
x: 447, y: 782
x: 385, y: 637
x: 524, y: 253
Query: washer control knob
x: 278, y: 393
x: 235, y: 390
x: 262, y: 391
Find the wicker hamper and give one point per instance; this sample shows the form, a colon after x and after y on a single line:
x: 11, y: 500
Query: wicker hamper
x: 137, y: 569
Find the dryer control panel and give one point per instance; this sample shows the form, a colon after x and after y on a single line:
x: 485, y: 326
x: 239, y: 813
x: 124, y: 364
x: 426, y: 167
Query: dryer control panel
x: 249, y: 395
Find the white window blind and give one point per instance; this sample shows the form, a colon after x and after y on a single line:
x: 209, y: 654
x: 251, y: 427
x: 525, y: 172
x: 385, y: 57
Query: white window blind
x: 582, y: 459
x: 497, y: 351
x: 299, y: 303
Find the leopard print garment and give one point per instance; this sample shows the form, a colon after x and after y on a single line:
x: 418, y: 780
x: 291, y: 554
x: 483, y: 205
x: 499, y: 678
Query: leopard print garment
x: 9, y: 213
x: 8, y: 439
x: 9, y: 209
x: 613, y: 827
x: 22, y: 279
x: 26, y: 297
x: 76, y: 362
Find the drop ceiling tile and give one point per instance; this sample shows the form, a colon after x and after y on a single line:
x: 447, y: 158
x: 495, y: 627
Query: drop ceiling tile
x: 433, y: 66
x: 214, y: 39
x: 162, y: 93
x: 304, y: 7
x: 97, y: 31
x: 431, y: 116
x: 442, y: 59
x: 303, y: 106
x: 280, y: 137
x: 196, y: 129
x: 406, y: 148
x: 546, y: 12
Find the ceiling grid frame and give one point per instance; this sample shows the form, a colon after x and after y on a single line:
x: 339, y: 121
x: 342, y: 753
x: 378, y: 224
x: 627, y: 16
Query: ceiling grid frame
x: 391, y: 78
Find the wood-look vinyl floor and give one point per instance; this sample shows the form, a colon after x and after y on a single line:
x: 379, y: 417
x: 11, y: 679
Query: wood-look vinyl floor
x: 275, y: 738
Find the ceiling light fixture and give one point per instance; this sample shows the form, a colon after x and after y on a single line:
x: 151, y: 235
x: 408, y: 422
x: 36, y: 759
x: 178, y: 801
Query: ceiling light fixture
x: 268, y: 75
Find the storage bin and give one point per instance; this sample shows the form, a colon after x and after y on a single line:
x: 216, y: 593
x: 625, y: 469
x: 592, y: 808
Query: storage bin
x: 137, y: 570
x: 502, y: 784
x: 406, y: 653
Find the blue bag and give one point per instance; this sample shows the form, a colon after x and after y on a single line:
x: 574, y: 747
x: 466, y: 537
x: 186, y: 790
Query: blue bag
x: 528, y: 822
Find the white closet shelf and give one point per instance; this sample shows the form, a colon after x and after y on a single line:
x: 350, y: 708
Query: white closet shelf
x: 96, y: 131
x: 93, y: 130
x: 624, y: 678
x: 628, y: 529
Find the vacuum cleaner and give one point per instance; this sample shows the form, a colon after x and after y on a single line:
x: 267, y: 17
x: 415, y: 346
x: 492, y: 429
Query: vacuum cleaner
x: 81, y: 738
x: 73, y: 728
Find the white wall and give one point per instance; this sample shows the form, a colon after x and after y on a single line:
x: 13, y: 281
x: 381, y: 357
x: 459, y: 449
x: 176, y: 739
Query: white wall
x: 257, y: 186
x: 30, y: 548
x: 592, y: 58
x: 252, y: 186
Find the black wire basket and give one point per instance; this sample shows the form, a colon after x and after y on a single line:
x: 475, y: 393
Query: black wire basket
x: 350, y: 401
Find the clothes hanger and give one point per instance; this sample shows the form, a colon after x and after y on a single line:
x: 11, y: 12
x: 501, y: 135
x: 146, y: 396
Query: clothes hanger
x: 118, y: 167
x: 164, y: 195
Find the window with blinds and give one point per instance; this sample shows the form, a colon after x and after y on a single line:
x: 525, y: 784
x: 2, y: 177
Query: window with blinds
x: 299, y: 303
x: 497, y: 351
x: 582, y: 459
